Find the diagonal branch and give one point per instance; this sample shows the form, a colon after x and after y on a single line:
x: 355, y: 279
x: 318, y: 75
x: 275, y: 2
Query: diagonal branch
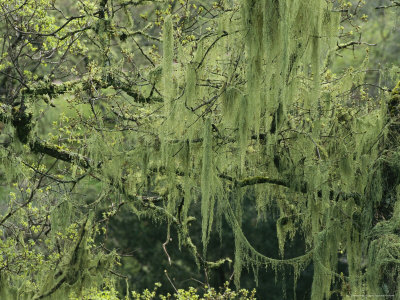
x: 39, y: 146
x: 53, y: 89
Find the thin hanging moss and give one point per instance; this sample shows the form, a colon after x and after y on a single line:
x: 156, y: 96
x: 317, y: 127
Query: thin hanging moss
x: 167, y: 61
x: 243, y: 129
x: 190, y: 89
x: 206, y: 179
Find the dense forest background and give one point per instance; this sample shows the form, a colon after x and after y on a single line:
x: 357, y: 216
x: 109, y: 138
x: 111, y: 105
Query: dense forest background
x: 194, y: 143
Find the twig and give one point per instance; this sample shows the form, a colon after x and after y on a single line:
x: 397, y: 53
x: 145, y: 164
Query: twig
x: 395, y: 3
x: 352, y: 43
x: 169, y: 279
x: 165, y: 244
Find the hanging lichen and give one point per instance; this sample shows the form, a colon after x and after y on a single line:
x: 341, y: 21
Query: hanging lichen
x: 243, y: 129
x: 168, y: 52
x: 207, y: 199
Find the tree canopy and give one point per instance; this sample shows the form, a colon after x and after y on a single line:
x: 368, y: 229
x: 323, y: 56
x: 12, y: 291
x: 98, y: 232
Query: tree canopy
x: 169, y: 107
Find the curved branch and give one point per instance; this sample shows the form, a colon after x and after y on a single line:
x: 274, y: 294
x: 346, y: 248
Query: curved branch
x: 303, y: 187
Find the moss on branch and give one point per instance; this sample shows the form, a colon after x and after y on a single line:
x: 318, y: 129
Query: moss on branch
x: 53, y: 90
x: 38, y: 146
x: 261, y: 179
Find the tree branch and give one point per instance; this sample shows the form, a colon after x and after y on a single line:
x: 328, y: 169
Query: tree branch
x: 303, y: 186
x: 352, y: 43
x: 38, y: 146
x: 395, y: 3
x: 53, y: 90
